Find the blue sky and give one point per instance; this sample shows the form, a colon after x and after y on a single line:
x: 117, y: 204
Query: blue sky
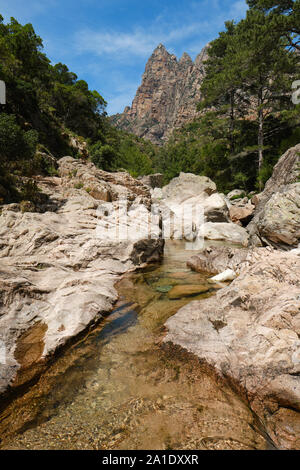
x: 107, y: 42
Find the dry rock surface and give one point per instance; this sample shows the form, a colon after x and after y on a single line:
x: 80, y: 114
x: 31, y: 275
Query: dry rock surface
x: 241, y: 206
x: 153, y: 181
x: 192, y: 208
x: 59, y: 262
x: 280, y: 219
x: 217, y: 260
x: 60, y: 259
x: 250, y: 333
x: 228, y: 232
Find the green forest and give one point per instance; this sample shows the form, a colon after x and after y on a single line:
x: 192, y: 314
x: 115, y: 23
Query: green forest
x: 246, y: 117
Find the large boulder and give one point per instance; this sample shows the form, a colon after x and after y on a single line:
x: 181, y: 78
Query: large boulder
x: 249, y: 332
x: 228, y: 232
x: 59, y: 265
x: 216, y: 208
x: 241, y: 215
x: 285, y: 173
x: 280, y: 220
x: 186, y: 186
x: 153, y: 181
x: 187, y: 202
x: 215, y: 260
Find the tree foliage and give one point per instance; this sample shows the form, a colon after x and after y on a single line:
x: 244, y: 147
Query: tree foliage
x: 43, y: 96
x: 283, y: 18
x: 45, y: 104
x: 249, y: 75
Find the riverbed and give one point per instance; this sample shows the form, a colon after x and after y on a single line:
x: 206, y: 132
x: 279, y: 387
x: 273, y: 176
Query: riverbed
x: 120, y: 387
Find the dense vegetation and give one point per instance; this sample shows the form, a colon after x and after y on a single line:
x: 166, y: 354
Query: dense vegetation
x: 118, y: 150
x: 246, y: 121
x: 248, y: 118
x: 50, y: 113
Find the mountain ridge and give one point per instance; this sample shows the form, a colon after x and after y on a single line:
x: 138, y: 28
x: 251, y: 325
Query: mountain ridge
x: 167, y: 97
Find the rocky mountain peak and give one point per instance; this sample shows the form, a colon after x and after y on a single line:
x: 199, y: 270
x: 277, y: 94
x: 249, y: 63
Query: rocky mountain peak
x: 167, y: 96
x: 202, y: 57
x: 185, y: 59
x: 160, y: 49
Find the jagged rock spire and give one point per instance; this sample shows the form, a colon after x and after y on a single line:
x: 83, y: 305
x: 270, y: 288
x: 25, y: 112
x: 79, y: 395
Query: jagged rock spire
x: 160, y: 49
x: 167, y: 97
x: 185, y: 59
x: 203, y: 56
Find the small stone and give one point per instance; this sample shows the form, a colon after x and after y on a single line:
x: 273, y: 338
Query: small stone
x: 187, y: 290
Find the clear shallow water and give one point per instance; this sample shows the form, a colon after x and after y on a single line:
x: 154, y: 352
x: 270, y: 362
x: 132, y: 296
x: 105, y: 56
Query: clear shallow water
x: 118, y: 388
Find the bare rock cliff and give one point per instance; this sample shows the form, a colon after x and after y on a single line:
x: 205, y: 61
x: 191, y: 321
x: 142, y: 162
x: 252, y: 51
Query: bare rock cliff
x: 167, y: 97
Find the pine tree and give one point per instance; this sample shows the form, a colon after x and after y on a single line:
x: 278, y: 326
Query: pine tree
x: 222, y: 84
x: 250, y: 71
x: 266, y: 69
x: 283, y: 17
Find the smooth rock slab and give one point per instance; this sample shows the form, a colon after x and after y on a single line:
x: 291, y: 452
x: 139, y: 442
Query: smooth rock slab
x: 224, y: 231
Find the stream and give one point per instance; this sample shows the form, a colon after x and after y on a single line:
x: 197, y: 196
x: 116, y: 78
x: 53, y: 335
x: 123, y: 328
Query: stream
x: 119, y: 387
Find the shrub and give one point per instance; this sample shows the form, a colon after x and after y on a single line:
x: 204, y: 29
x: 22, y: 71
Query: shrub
x: 15, y: 144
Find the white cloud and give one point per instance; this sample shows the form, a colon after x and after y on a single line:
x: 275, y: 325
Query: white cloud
x: 140, y: 42
x: 135, y: 43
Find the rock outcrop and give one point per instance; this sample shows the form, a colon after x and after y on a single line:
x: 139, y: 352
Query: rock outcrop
x: 279, y: 221
x: 227, y: 232
x: 188, y: 185
x: 153, y: 181
x: 60, y: 262
x: 249, y: 332
x: 241, y: 214
x: 217, y: 259
x: 277, y: 217
x: 192, y: 209
x: 167, y: 97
